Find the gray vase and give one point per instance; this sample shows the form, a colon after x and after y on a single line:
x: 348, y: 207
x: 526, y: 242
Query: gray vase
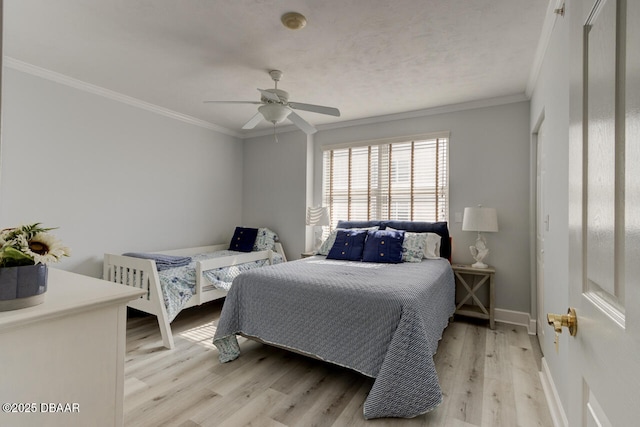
x: 22, y: 287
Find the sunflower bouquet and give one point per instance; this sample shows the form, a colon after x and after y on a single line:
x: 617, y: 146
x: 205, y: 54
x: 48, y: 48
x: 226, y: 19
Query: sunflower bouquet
x: 29, y: 245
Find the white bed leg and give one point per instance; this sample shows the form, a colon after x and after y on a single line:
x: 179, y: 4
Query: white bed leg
x: 160, y: 310
x: 165, y: 331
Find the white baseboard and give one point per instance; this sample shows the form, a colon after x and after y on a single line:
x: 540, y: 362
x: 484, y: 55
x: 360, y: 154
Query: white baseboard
x: 558, y: 416
x: 516, y: 318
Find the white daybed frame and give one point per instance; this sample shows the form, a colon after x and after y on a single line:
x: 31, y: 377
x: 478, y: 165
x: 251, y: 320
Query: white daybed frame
x: 143, y: 274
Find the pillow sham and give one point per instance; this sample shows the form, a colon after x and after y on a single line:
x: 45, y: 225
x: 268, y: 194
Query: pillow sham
x: 243, y: 239
x: 432, y: 247
x: 413, y: 246
x: 326, y: 246
x: 266, y: 239
x: 348, y: 245
x: 440, y: 228
x: 383, y: 246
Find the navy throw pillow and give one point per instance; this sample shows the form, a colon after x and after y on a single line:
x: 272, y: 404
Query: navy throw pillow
x: 349, y: 245
x: 383, y: 246
x: 243, y: 239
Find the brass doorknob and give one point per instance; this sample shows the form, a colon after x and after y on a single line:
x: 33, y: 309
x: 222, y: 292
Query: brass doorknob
x: 568, y: 320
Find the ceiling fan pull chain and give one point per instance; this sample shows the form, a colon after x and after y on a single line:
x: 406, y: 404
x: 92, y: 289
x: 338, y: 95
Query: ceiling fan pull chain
x: 275, y: 136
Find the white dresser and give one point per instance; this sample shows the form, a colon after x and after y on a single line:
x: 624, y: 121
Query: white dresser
x: 62, y: 362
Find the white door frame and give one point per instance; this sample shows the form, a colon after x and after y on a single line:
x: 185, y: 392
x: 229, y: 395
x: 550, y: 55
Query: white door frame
x: 537, y: 301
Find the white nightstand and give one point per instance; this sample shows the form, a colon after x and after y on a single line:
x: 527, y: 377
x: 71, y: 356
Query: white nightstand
x: 472, y: 281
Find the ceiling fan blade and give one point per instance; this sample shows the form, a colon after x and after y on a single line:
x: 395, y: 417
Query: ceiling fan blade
x: 270, y: 95
x: 315, y: 108
x: 232, y: 102
x: 253, y: 121
x: 305, y: 126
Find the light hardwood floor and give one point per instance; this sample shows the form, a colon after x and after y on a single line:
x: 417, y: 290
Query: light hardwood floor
x: 489, y: 378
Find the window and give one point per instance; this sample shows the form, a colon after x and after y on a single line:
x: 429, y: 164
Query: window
x: 406, y: 180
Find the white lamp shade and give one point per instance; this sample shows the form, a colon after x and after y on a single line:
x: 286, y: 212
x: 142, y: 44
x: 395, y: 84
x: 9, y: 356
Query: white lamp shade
x: 274, y: 113
x: 480, y: 219
x: 317, y: 216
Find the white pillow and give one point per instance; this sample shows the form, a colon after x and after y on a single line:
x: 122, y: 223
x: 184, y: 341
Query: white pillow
x: 432, y: 248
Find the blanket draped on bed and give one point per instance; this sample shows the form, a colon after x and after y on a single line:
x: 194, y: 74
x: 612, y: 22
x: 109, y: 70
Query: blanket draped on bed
x: 383, y: 320
x: 163, y: 262
x: 179, y: 284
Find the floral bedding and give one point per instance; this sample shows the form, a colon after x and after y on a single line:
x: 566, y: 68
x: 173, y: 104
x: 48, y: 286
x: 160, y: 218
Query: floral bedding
x: 178, y: 284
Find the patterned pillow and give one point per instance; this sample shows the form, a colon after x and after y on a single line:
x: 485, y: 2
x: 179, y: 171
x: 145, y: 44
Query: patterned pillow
x: 349, y: 245
x: 326, y: 246
x: 383, y: 246
x: 243, y: 239
x: 414, y: 246
x: 266, y: 239
x: 432, y: 248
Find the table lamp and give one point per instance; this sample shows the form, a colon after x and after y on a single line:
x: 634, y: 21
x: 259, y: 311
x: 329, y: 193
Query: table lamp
x: 317, y: 217
x: 480, y: 219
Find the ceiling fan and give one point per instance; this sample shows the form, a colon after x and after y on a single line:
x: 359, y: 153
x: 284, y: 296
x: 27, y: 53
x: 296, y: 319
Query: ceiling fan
x: 275, y: 108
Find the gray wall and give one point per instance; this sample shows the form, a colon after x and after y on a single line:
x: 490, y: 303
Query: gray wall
x: 112, y: 177
x: 550, y: 100
x: 489, y: 164
x: 274, y: 187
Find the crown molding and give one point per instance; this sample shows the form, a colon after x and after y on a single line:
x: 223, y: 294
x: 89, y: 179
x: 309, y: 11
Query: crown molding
x: 116, y: 96
x: 452, y: 108
x: 543, y: 44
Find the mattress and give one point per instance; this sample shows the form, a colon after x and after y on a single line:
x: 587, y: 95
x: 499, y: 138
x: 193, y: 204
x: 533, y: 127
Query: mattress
x: 382, y: 320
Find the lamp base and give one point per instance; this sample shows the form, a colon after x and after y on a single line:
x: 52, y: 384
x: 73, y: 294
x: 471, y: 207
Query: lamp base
x: 479, y: 265
x: 479, y: 251
x: 317, y: 239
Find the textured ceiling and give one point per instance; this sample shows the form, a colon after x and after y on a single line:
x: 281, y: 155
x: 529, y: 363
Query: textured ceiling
x: 365, y: 57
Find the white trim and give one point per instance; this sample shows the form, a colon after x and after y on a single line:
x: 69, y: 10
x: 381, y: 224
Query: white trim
x: 558, y: 415
x: 516, y: 318
x: 116, y: 96
x: 533, y: 211
x: 452, y: 108
x: 490, y: 102
x: 543, y: 43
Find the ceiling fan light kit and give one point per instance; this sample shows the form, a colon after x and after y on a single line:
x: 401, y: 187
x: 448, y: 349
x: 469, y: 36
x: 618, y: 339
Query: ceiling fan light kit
x: 274, y: 113
x: 275, y: 107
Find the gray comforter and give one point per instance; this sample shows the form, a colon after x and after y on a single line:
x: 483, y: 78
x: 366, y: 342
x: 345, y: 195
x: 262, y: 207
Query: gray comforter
x: 383, y: 320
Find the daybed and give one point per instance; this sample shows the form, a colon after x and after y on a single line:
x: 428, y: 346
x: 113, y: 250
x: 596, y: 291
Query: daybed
x: 206, y: 276
x: 381, y: 319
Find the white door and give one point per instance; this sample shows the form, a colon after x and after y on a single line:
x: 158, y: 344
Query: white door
x: 604, y: 213
x: 542, y: 226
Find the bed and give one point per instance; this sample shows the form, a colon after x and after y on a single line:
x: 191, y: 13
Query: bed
x: 382, y: 320
x: 202, y: 274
